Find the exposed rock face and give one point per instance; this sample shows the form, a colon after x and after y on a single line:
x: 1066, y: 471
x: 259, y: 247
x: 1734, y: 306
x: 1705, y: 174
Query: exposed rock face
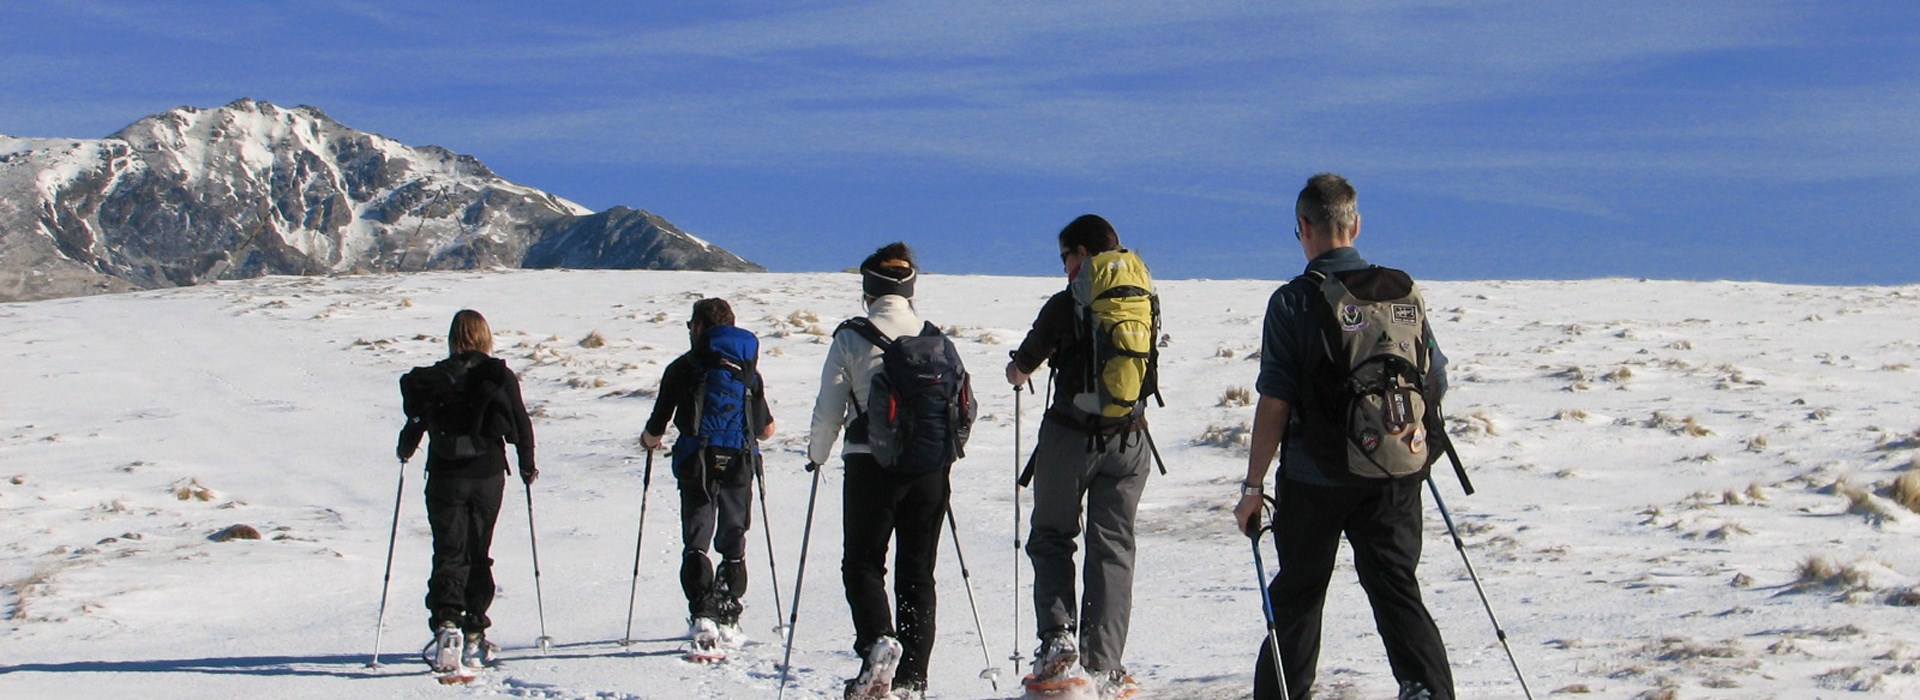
x: 249, y: 189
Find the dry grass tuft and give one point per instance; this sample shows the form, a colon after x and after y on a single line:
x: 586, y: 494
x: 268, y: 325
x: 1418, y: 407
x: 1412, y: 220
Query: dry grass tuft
x: 802, y: 318
x: 1619, y: 375
x: 1571, y: 414
x: 1225, y: 436
x: 191, y: 490
x: 1757, y: 443
x: 1906, y: 491
x: 1236, y: 397
x: 1821, y: 572
x: 593, y: 340
x: 1223, y: 352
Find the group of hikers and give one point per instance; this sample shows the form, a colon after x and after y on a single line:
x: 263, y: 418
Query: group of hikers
x: 1349, y: 384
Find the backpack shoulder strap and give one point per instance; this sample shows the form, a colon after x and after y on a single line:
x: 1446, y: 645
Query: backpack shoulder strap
x: 864, y: 326
x: 929, y: 330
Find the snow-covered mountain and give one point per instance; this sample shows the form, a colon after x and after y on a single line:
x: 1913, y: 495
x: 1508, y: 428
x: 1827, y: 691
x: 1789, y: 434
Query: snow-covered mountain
x: 248, y: 189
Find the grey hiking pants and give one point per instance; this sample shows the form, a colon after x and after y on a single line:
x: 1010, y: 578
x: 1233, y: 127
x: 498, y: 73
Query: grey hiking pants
x: 1067, y: 474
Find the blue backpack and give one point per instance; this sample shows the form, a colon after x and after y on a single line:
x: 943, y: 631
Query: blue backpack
x: 921, y: 407
x: 723, y: 437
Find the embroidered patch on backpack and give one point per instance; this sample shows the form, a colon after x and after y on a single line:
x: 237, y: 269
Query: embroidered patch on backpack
x: 1406, y: 314
x: 1351, y: 319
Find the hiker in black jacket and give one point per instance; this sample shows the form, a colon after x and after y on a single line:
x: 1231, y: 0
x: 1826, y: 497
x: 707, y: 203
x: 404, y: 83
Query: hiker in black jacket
x: 1319, y: 502
x: 466, y: 477
x: 716, y: 497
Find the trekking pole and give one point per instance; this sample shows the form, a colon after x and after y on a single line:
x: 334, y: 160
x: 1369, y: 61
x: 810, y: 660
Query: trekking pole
x: 799, y: 577
x: 990, y: 673
x: 773, y: 570
x: 633, y: 589
x: 540, y: 604
x: 1016, y: 657
x: 1266, y: 597
x: 379, y: 621
x: 1462, y: 548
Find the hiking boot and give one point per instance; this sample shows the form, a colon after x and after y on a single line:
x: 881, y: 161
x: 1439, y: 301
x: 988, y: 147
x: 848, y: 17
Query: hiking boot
x: 1056, y: 656
x: 1414, y: 690
x: 909, y: 690
x: 447, y: 646
x: 875, y: 681
x: 477, y: 652
x: 1114, y: 685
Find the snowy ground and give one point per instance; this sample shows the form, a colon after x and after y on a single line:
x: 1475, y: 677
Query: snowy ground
x: 1687, y: 490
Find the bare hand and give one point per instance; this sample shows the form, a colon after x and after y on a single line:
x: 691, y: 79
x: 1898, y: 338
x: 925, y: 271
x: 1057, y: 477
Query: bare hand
x: 650, y: 441
x: 1016, y: 377
x: 1246, y: 513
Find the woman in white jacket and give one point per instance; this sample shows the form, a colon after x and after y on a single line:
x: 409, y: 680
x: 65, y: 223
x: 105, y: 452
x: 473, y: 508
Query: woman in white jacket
x: 881, y: 503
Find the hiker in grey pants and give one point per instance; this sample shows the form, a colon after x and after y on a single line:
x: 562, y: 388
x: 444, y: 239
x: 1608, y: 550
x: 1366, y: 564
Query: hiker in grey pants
x: 1076, y: 463
x: 1065, y: 472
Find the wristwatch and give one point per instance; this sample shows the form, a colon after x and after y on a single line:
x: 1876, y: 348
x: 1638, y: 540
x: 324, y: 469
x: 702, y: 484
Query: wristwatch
x: 1247, y: 489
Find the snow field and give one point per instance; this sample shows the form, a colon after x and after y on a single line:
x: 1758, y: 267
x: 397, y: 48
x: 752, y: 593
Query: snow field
x: 1685, y: 490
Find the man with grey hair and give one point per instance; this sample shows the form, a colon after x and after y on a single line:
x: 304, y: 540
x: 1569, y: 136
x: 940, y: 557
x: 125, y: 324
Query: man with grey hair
x: 1318, y: 499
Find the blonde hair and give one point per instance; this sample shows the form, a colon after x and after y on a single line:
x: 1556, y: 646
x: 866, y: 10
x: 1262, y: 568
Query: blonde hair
x: 469, y: 333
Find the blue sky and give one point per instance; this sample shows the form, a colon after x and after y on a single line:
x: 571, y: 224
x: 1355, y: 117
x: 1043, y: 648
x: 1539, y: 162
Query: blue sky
x: 1515, y: 140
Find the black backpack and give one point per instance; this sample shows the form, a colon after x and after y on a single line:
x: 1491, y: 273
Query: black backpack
x: 1365, y: 415
x: 921, y: 406
x: 463, y: 403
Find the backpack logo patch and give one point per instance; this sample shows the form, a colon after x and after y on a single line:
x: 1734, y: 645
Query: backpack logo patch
x: 1351, y: 319
x: 1406, y: 314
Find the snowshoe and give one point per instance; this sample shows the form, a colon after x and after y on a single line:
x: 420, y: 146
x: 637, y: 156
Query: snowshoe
x: 703, y: 642
x: 1072, y: 685
x: 447, y: 645
x: 1115, y: 685
x: 1056, y: 671
x: 876, y: 673
x: 478, y: 652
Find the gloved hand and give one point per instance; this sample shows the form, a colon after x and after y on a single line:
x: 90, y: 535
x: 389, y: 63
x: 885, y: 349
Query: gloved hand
x: 528, y: 474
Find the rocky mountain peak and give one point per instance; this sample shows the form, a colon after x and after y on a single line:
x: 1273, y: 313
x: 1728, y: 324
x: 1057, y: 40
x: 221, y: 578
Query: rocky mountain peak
x: 249, y: 188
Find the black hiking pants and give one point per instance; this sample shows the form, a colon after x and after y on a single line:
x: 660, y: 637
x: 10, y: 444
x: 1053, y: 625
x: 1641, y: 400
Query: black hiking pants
x: 462, y: 511
x: 882, y: 505
x: 716, y: 515
x: 1384, y: 526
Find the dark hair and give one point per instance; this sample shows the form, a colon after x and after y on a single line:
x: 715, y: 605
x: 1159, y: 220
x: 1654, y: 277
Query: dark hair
x: 888, y: 271
x: 894, y: 253
x: 1329, y: 203
x: 712, y: 312
x: 1089, y: 231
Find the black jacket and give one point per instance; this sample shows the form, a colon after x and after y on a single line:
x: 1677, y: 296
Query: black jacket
x: 509, y: 412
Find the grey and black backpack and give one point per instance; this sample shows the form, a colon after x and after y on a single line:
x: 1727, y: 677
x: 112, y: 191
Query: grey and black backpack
x: 1365, y: 413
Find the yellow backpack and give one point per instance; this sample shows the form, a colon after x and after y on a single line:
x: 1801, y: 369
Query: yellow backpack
x: 1120, y: 319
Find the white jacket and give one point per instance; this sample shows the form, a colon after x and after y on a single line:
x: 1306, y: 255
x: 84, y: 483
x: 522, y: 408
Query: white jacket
x: 848, y: 375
